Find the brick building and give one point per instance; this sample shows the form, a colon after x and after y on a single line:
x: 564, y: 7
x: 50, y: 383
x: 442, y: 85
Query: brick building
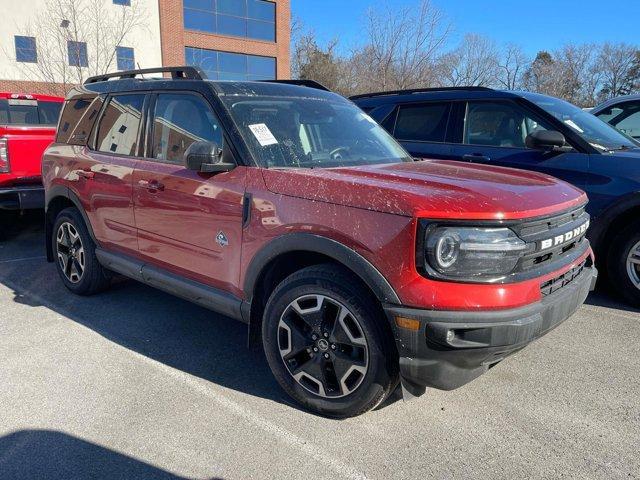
x: 228, y: 39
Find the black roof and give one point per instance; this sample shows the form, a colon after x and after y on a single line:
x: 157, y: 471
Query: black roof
x: 193, y: 78
x: 418, y: 94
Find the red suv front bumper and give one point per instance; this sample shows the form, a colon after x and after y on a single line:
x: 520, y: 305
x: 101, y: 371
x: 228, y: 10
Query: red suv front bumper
x: 450, y: 348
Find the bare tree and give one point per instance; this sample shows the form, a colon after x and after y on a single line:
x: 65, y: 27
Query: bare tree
x: 617, y: 62
x: 96, y: 23
x: 511, y: 67
x: 405, y: 48
x: 319, y: 63
x: 475, y: 62
x: 543, y: 76
x: 402, y: 46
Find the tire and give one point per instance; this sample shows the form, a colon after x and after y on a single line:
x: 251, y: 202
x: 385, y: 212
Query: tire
x: 77, y: 264
x: 623, y: 273
x: 348, y: 371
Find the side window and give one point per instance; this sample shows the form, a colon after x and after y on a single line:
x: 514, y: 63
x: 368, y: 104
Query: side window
x: 498, y: 124
x: 48, y: 112
x: 631, y: 124
x: 78, y: 118
x: 119, y: 125
x: 610, y: 114
x: 180, y: 120
x: 625, y: 117
x: 422, y: 123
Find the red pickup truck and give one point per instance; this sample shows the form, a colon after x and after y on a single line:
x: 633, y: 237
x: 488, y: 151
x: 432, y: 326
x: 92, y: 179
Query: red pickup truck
x: 27, y: 127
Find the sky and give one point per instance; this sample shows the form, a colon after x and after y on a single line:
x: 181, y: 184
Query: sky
x: 534, y: 25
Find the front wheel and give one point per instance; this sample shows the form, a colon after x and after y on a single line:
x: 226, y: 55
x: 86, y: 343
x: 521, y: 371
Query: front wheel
x: 623, y: 264
x: 327, y: 344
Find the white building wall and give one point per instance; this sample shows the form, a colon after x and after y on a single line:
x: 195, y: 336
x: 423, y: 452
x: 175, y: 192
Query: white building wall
x: 19, y: 13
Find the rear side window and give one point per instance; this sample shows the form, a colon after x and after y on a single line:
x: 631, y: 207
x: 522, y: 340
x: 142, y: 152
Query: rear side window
x: 28, y: 112
x: 180, y: 120
x: 78, y: 118
x: 120, y: 124
x: 422, y: 123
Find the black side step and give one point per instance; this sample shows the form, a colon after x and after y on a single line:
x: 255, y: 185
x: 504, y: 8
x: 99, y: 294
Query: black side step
x: 196, y: 292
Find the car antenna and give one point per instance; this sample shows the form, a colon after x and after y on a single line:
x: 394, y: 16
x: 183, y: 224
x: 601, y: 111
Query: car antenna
x: 142, y: 74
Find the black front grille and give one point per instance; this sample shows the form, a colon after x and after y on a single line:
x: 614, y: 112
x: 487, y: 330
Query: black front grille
x: 555, y: 284
x: 534, y: 232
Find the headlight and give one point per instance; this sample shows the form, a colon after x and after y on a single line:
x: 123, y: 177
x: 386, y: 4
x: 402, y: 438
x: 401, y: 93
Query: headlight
x: 469, y: 252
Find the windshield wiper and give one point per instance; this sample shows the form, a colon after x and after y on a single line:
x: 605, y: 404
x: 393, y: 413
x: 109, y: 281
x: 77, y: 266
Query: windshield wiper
x: 621, y: 148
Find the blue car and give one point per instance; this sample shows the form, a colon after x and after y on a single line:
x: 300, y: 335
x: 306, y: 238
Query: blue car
x: 532, y: 132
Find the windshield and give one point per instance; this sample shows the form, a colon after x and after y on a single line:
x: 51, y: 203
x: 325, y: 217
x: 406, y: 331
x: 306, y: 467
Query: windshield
x: 597, y: 133
x: 29, y: 112
x: 287, y: 131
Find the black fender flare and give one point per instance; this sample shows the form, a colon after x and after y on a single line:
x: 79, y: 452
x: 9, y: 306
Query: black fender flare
x: 62, y: 191
x: 600, y: 227
x: 306, y: 242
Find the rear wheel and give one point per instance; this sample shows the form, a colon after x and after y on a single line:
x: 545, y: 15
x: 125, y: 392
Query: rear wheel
x: 326, y: 342
x: 623, y: 264
x: 75, y: 257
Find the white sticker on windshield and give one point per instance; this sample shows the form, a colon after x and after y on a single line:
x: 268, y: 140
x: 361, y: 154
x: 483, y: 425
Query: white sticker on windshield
x: 263, y: 134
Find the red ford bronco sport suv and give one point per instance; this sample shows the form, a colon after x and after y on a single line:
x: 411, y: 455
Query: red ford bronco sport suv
x: 27, y: 126
x: 284, y: 206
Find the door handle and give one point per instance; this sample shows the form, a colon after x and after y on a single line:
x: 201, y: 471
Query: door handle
x: 87, y: 174
x: 476, y: 157
x: 151, y: 185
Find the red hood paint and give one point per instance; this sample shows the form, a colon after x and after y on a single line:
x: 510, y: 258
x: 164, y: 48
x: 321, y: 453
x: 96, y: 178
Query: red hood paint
x: 431, y: 189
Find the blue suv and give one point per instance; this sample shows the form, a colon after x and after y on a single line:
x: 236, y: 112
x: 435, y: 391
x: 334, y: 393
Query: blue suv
x: 533, y: 132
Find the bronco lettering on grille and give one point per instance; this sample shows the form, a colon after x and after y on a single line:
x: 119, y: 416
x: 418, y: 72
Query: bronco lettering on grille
x: 565, y: 237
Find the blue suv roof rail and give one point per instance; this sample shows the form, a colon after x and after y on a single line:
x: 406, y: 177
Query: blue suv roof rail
x: 183, y: 72
x: 419, y: 90
x: 302, y: 83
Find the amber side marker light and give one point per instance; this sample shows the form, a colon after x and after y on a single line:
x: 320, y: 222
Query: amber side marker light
x: 408, y: 323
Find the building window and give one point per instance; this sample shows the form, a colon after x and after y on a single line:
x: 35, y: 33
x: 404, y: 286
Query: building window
x: 126, y: 3
x: 231, y: 66
x: 125, y: 58
x: 254, y: 19
x: 77, y: 52
x: 26, y: 49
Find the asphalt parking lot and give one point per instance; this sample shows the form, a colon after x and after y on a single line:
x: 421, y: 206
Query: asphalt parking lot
x: 134, y: 383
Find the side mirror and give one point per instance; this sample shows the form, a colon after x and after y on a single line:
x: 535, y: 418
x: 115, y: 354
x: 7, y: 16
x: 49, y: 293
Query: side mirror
x: 545, y: 140
x: 206, y: 157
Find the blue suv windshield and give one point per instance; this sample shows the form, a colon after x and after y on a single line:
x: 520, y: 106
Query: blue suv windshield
x: 597, y: 133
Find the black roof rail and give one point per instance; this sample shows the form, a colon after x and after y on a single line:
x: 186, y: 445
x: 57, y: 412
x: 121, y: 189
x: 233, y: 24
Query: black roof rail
x: 186, y: 72
x: 419, y: 90
x: 302, y: 83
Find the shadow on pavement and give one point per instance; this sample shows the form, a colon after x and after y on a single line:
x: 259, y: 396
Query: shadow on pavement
x: 14, y: 224
x: 602, y: 298
x: 152, y: 323
x: 48, y: 454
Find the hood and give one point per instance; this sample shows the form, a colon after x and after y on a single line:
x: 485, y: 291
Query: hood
x: 431, y: 189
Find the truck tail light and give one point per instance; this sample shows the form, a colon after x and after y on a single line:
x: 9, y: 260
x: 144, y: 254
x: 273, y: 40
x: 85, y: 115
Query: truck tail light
x: 4, y: 155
